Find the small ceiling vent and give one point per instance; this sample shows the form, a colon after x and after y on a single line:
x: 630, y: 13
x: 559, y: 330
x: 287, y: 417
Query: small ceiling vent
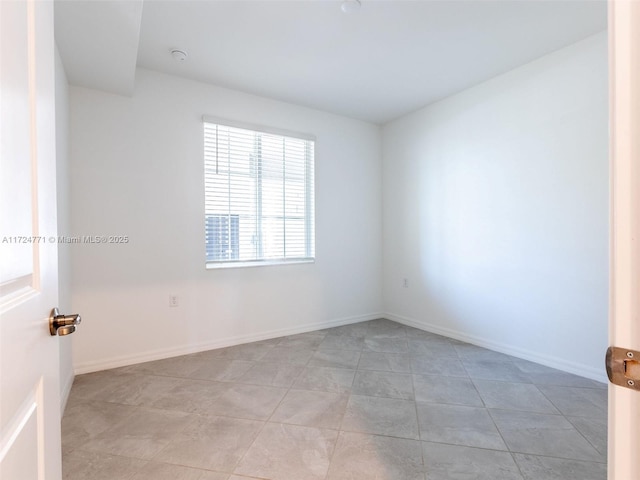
x: 350, y: 6
x: 178, y: 55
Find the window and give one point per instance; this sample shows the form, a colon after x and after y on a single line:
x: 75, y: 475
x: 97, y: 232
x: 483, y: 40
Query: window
x: 259, y: 198
x: 222, y: 234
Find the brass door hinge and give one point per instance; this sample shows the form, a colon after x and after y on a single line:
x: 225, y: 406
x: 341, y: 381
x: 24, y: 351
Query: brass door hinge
x: 623, y: 367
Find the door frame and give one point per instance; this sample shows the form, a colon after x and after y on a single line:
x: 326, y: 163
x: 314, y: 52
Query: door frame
x: 624, y: 282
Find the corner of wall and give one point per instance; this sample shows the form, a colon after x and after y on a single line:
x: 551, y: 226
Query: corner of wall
x: 63, y: 207
x: 65, y: 389
x: 563, y: 364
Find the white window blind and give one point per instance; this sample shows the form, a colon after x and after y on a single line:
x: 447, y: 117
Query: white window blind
x: 259, y: 196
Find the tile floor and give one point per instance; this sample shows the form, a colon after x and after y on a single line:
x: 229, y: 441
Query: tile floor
x: 370, y: 401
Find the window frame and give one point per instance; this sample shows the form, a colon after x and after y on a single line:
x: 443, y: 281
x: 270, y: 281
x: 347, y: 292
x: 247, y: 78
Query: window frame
x: 309, y: 193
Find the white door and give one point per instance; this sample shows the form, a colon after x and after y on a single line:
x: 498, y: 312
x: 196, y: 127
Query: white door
x: 624, y: 53
x: 29, y: 361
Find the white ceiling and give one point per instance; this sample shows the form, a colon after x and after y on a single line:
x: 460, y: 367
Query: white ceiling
x: 389, y: 58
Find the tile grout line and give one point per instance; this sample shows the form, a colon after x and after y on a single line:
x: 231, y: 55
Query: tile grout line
x: 574, y: 427
x: 486, y: 409
x: 344, y: 413
x: 239, y: 461
x: 420, y: 442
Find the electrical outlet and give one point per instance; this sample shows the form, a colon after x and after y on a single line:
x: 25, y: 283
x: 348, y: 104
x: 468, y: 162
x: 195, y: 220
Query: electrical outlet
x: 173, y: 300
x: 405, y: 283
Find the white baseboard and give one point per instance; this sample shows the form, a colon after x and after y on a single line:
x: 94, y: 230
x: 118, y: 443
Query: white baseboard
x: 65, y: 391
x: 598, y: 375
x: 121, y: 361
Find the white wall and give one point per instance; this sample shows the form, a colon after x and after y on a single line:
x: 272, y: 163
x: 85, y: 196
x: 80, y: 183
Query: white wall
x: 137, y: 170
x: 495, y: 208
x: 64, y: 251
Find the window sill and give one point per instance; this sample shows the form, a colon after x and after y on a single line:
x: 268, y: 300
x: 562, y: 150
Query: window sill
x: 260, y: 263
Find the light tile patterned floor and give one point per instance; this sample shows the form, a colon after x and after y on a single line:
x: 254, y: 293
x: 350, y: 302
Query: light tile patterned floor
x: 370, y: 401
